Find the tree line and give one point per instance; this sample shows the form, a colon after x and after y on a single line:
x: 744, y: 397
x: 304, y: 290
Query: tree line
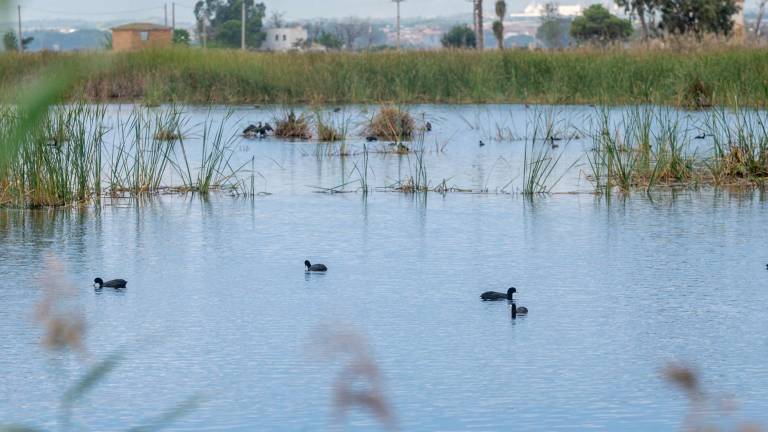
x: 655, y: 19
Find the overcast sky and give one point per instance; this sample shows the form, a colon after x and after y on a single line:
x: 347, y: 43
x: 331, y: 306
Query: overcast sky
x: 133, y: 9
x: 130, y: 10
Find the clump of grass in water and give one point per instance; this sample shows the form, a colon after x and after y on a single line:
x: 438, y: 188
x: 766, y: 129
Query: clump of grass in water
x: 215, y: 170
x: 740, y: 146
x: 58, y: 162
x: 139, y: 160
x: 540, y: 160
x: 393, y: 124
x: 290, y: 126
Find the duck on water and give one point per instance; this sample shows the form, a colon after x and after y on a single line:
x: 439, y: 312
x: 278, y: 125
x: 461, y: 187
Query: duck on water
x: 98, y: 283
x: 496, y: 296
x: 315, y: 267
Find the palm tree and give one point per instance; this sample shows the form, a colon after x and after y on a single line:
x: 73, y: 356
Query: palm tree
x: 498, y: 25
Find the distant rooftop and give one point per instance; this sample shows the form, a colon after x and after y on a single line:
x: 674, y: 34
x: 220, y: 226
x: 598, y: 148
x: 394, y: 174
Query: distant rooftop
x: 141, y: 27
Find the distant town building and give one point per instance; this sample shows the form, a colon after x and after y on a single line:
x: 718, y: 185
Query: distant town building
x: 538, y: 10
x: 285, y: 38
x: 141, y: 35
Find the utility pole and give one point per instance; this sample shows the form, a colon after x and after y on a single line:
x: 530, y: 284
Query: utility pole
x: 242, y: 27
x: 173, y: 15
x: 21, y: 35
x: 398, y: 22
x: 479, y: 24
x: 205, y: 32
x: 165, y: 9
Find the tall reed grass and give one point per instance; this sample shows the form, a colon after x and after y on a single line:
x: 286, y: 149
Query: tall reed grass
x: 577, y: 76
x: 73, y: 157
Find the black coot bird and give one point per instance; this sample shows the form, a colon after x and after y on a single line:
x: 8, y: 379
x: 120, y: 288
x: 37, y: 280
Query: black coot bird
x: 428, y: 127
x: 516, y: 310
x: 114, y: 283
x: 495, y: 296
x: 315, y: 267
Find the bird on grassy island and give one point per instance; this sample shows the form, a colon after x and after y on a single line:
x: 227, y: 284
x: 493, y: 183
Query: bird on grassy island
x: 315, y: 267
x: 258, y: 130
x: 98, y: 283
x: 494, y: 296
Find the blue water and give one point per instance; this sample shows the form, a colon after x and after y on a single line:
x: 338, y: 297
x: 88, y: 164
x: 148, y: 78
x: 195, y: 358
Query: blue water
x: 218, y: 305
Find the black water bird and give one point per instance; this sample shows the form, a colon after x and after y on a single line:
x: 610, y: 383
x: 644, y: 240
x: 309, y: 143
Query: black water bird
x: 481, y: 144
x: 251, y: 130
x: 702, y: 135
x: 258, y: 130
x: 516, y: 310
x: 337, y: 109
x: 98, y: 283
x: 495, y: 296
x: 428, y: 126
x: 371, y: 138
x: 553, y: 143
x: 315, y: 267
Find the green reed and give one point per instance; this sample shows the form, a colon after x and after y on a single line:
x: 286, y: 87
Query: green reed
x: 574, y: 76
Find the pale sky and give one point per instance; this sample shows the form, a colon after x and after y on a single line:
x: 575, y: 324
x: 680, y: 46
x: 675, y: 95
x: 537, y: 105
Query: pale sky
x: 297, y: 9
x: 131, y: 10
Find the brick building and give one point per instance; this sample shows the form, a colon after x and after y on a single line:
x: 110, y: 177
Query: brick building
x: 141, y: 35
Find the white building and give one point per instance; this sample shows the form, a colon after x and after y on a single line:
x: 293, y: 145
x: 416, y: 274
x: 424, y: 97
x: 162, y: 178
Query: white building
x: 285, y: 38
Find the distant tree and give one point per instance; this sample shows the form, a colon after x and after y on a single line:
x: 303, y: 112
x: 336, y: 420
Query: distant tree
x: 218, y: 19
x: 349, y: 30
x: 276, y: 20
x: 181, y: 37
x: 228, y: 33
x: 642, y: 9
x: 553, y: 31
x: 697, y: 16
x: 10, y: 42
x: 459, y: 36
x: 329, y: 40
x: 498, y: 25
x: 596, y: 24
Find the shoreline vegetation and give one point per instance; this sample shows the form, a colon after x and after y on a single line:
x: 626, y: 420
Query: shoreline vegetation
x: 689, y: 78
x: 75, y: 159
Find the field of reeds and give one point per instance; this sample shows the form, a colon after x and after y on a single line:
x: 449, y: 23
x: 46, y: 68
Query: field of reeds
x: 696, y: 78
x: 74, y: 157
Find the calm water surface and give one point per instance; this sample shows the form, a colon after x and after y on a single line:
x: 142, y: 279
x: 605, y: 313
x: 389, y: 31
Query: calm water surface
x: 218, y: 303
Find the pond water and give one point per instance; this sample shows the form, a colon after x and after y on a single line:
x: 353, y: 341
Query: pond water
x: 218, y: 304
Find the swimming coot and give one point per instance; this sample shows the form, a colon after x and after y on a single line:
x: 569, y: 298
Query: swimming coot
x: 114, y: 283
x: 315, y: 267
x: 494, y: 296
x: 516, y: 310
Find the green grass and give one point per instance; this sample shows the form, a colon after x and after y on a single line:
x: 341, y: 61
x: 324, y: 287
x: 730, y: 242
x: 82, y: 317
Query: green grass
x: 579, y: 76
